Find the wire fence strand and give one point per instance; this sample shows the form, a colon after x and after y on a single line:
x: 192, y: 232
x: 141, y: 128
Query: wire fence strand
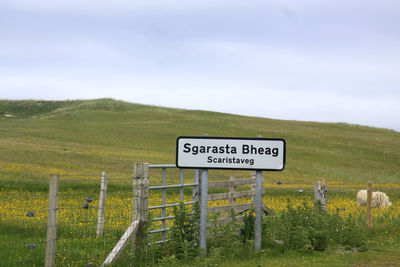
x: 23, y: 214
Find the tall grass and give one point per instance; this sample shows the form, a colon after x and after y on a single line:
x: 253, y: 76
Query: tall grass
x: 305, y: 229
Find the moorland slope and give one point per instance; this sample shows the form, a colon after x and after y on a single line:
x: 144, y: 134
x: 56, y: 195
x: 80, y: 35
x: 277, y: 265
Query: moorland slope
x: 88, y: 136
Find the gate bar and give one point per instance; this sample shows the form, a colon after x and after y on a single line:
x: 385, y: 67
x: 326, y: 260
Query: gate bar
x: 163, y: 214
x: 196, y: 192
x: 163, y: 218
x: 160, y: 230
x: 151, y: 166
x: 171, y: 205
x: 172, y: 186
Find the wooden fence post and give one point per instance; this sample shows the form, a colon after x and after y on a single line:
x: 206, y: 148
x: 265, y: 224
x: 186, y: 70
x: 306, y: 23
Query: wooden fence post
x: 140, y: 200
x: 369, y: 206
x: 102, y: 204
x: 139, y: 216
x: 51, y: 237
x: 320, y: 193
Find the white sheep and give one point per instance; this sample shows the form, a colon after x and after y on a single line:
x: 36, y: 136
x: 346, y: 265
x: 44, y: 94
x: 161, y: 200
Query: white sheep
x: 379, y: 199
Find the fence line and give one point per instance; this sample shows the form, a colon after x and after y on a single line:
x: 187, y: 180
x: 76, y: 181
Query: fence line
x: 89, y: 221
x: 52, y: 222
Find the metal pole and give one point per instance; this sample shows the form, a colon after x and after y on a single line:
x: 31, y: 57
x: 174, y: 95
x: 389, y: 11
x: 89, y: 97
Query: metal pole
x: 257, y: 227
x: 196, y: 187
x: 181, y: 188
x: 203, y: 211
x: 164, y: 202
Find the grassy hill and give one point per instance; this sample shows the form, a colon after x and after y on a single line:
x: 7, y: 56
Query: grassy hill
x: 38, y: 138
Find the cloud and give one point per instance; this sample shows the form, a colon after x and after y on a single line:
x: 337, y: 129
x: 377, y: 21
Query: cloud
x: 303, y: 60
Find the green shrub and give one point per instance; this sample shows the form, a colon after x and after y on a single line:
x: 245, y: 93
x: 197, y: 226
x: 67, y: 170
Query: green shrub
x: 319, y: 240
x: 311, y: 228
x: 247, y: 230
x: 352, y: 235
x: 184, y: 237
x: 225, y: 240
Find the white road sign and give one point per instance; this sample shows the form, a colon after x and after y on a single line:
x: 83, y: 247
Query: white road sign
x: 230, y: 153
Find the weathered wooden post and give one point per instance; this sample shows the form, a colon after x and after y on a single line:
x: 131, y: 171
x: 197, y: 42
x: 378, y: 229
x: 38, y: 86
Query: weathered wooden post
x: 140, y: 206
x: 52, y: 222
x: 102, y: 204
x: 369, y: 205
x: 320, y: 193
x: 120, y: 246
x: 140, y: 200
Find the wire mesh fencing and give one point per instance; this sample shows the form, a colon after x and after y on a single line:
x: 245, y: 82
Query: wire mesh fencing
x: 24, y: 221
x: 78, y: 239
x: 23, y: 218
x: 24, y: 212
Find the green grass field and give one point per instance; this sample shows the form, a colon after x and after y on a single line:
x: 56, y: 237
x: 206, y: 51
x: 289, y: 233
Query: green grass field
x: 96, y: 135
x: 83, y: 138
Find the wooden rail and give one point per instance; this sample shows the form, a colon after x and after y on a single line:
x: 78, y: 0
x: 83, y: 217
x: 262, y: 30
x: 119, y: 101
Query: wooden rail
x: 232, y: 196
x: 221, y: 184
x: 236, y: 208
x: 122, y: 243
x: 224, y: 196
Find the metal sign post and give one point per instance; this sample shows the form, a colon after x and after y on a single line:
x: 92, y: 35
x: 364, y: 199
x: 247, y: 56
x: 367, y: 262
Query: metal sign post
x: 205, y: 152
x: 203, y: 211
x: 258, y: 219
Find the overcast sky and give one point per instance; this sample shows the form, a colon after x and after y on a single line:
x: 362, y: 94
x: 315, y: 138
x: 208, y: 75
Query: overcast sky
x: 313, y: 60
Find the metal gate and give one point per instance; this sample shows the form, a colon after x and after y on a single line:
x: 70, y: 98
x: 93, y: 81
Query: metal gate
x: 163, y: 187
